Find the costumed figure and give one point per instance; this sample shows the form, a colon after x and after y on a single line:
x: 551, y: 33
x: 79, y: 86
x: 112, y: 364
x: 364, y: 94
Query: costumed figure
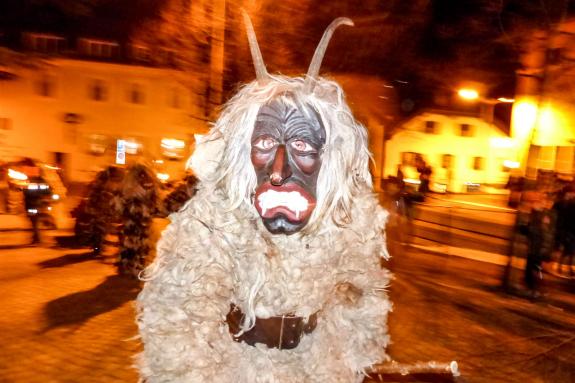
x: 97, y: 214
x: 182, y: 192
x: 137, y: 205
x: 271, y: 273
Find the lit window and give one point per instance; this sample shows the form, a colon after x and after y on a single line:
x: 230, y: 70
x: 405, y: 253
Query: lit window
x: 465, y: 130
x: 136, y: 94
x: 430, y: 127
x: 98, y: 91
x: 446, y: 161
x: 173, y: 148
x: 141, y: 53
x: 45, y: 43
x: 168, y: 57
x: 45, y: 86
x: 175, y: 98
x: 99, y: 48
x: 97, y: 144
x: 410, y: 158
x: 477, y: 163
x: 133, y: 146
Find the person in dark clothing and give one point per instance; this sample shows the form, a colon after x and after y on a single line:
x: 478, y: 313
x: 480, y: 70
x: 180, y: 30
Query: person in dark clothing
x: 565, y: 209
x: 181, y: 194
x: 137, y: 204
x: 96, y: 215
x: 540, y: 236
x: 35, y: 193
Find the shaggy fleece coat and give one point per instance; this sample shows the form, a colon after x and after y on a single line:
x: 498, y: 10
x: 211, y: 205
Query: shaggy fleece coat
x: 209, y: 258
x: 216, y: 252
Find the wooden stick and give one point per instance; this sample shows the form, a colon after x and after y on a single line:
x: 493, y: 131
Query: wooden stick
x: 419, y: 371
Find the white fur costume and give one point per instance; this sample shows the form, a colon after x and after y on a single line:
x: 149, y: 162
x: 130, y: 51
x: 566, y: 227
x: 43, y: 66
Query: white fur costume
x: 217, y: 252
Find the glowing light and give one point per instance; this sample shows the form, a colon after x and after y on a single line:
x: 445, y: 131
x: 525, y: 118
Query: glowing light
x: 172, y: 143
x: 17, y: 175
x: 158, y: 161
x: 502, y: 142
x: 468, y: 94
x: 440, y: 188
x: 163, y: 176
x: 33, y: 211
x: 506, y: 100
x: 55, y: 197
x: 524, y: 118
x: 547, y: 119
x: 132, y: 147
x: 511, y: 164
x: 412, y: 181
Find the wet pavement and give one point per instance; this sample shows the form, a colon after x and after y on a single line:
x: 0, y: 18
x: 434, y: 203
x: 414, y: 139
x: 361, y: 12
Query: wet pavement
x: 67, y: 317
x: 449, y: 308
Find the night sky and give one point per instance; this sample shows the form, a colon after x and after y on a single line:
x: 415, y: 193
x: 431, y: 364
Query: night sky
x: 424, y: 43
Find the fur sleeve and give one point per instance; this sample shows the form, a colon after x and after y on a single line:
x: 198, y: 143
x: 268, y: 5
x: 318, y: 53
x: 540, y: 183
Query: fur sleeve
x: 182, y: 307
x: 357, y: 313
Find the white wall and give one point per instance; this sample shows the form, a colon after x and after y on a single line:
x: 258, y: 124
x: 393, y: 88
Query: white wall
x: 447, y: 140
x: 37, y: 126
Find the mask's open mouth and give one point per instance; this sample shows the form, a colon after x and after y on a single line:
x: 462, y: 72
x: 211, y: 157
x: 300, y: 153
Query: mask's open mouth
x: 290, y: 200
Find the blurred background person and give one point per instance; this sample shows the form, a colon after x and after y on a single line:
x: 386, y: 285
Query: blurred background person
x: 35, y: 193
x: 540, y: 239
x: 96, y: 215
x: 4, y: 189
x: 565, y: 234
x: 182, y: 192
x: 138, y: 203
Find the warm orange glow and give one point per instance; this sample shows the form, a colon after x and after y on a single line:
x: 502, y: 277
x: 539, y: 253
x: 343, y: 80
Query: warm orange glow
x: 547, y: 119
x: 524, y: 117
x: 468, y: 94
x: 511, y: 164
x: 17, y: 175
x: 502, y: 142
x: 506, y: 100
x: 163, y: 176
x: 172, y: 143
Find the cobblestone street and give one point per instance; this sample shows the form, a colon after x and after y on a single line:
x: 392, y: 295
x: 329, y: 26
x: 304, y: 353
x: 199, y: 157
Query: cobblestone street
x: 66, y: 317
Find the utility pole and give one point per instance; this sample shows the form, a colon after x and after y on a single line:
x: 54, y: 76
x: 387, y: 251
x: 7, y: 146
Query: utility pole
x: 218, y: 28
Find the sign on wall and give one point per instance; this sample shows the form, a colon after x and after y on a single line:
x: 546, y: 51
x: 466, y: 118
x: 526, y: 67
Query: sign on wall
x: 121, y: 152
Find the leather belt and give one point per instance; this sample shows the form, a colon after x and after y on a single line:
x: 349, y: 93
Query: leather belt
x: 282, y: 332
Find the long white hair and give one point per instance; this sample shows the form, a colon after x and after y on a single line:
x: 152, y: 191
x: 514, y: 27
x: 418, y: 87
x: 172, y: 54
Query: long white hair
x: 344, y: 170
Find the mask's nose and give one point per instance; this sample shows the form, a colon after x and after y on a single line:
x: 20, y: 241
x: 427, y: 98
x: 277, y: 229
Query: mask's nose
x: 280, y: 167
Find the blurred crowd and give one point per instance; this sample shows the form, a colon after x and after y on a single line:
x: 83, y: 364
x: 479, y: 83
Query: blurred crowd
x: 546, y: 218
x: 121, y: 202
x: 124, y: 202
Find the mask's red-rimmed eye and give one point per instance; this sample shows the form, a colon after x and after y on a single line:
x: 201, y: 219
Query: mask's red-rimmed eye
x: 265, y: 143
x: 302, y: 146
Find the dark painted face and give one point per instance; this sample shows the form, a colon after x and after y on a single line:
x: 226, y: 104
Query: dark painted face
x: 286, y: 154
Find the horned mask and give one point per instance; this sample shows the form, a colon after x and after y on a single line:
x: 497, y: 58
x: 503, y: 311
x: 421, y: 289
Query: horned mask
x: 287, y: 149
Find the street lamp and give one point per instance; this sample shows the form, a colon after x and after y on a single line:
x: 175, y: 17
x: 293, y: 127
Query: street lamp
x: 468, y: 94
x: 487, y: 104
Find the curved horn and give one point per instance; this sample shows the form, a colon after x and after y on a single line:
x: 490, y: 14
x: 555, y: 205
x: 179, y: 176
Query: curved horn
x: 313, y: 71
x: 259, y: 65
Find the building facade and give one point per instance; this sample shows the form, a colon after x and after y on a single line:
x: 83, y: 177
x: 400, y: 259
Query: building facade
x: 71, y: 112
x: 465, y: 152
x: 543, y: 123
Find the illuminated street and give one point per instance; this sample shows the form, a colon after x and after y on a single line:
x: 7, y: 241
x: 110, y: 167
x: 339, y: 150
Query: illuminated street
x: 68, y: 317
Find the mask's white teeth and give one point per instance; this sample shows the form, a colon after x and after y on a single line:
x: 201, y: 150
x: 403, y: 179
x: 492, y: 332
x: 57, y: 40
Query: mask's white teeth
x: 297, y: 214
x: 264, y: 211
